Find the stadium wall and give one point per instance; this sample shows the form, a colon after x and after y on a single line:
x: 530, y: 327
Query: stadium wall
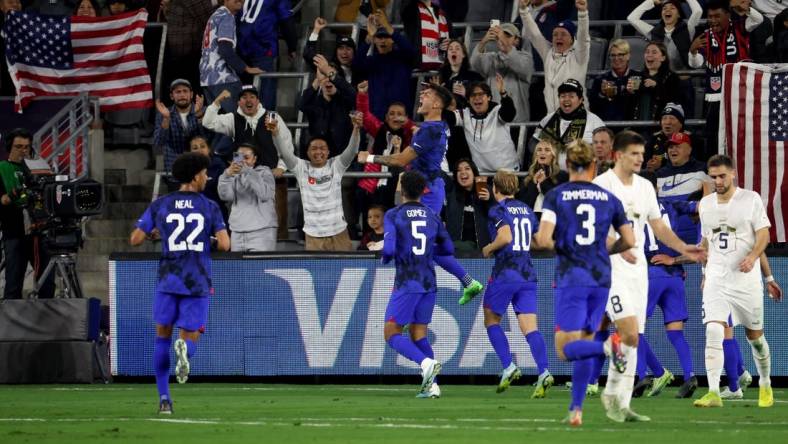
x: 286, y: 316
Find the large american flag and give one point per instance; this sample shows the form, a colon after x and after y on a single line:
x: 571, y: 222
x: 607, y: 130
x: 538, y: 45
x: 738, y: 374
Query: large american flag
x: 753, y: 131
x: 57, y: 55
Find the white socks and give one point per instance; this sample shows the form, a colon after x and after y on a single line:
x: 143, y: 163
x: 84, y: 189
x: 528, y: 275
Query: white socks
x: 715, y: 357
x: 760, y: 352
x: 620, y: 384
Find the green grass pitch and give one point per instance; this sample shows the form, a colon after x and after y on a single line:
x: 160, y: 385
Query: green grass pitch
x: 257, y: 413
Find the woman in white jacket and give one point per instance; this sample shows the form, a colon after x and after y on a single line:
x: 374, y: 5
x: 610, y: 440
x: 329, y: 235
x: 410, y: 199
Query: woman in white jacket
x: 566, y: 57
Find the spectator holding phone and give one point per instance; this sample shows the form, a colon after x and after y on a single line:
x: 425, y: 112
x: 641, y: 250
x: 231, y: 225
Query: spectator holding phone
x: 543, y: 175
x: 249, y: 189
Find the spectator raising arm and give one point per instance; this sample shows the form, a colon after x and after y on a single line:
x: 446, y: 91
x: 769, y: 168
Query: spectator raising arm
x: 531, y: 32
x: 283, y: 141
x: 219, y: 123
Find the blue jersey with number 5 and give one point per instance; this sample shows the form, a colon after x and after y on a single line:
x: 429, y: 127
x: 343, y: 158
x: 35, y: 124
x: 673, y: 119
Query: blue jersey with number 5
x: 513, y: 262
x: 583, y: 214
x: 413, y: 234
x: 185, y: 222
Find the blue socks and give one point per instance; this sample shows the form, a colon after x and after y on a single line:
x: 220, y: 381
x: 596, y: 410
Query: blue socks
x: 739, y: 358
x: 191, y: 348
x: 450, y: 264
x: 681, y: 345
x: 646, y: 357
x: 423, y: 344
x: 406, y: 348
x: 500, y: 344
x: 581, y: 371
x: 729, y: 347
x: 161, y: 365
x: 598, y: 362
x: 538, y: 349
x: 578, y: 350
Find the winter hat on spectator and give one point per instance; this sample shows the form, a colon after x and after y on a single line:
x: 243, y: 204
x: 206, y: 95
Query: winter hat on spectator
x: 571, y: 85
x: 248, y: 89
x: 510, y: 29
x: 179, y: 82
x: 679, y: 138
x: 570, y: 27
x: 675, y: 110
x: 344, y: 40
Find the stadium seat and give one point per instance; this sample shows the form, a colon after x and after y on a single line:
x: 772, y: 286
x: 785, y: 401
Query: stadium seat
x: 637, y: 46
x: 596, y: 60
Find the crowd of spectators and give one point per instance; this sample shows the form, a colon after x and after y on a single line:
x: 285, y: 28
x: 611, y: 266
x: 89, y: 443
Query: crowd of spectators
x: 530, y: 65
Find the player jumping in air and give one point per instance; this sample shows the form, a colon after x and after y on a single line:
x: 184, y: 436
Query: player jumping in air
x: 185, y: 221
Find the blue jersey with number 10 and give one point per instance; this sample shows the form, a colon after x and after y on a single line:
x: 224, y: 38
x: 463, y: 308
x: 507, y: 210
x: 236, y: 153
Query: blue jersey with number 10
x: 513, y: 262
x: 413, y: 235
x: 583, y: 214
x: 185, y: 222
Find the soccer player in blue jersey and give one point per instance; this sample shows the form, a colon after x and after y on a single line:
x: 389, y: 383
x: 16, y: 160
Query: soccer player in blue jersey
x: 576, y: 219
x: 666, y: 290
x: 185, y: 220
x: 513, y: 281
x: 413, y: 234
x: 425, y: 154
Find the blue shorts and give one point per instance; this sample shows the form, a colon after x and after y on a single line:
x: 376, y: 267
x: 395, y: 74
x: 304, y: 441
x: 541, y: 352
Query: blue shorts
x: 580, y: 308
x: 185, y: 312
x: 434, y: 195
x: 522, y: 296
x: 669, y: 294
x: 410, y: 308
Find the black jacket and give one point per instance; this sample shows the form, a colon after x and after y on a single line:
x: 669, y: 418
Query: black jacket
x: 455, y: 214
x: 330, y: 119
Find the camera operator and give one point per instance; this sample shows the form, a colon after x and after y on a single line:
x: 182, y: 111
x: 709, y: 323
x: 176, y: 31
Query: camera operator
x: 19, y: 247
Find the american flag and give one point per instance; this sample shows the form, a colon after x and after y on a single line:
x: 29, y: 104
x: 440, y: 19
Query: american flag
x: 753, y: 131
x: 57, y: 55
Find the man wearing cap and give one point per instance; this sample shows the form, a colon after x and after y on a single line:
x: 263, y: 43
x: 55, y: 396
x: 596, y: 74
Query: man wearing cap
x: 344, y: 51
x: 671, y: 121
x: 682, y: 179
x: 566, y: 57
x: 387, y: 58
x: 220, y: 66
x: 259, y: 25
x: 178, y: 123
x: 570, y: 122
x: 515, y: 66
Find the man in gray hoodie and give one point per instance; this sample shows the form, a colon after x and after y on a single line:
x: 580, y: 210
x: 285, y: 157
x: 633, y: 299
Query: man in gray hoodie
x: 250, y: 191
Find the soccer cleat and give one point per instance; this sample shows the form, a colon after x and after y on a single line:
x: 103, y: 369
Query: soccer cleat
x: 660, y: 383
x: 509, y: 374
x: 429, y: 370
x: 182, y: 367
x: 728, y: 394
x: 688, y: 388
x: 433, y: 392
x: 641, y: 387
x: 612, y: 410
x: 631, y: 416
x: 592, y: 389
x: 617, y: 358
x: 710, y: 399
x: 544, y: 382
x: 574, y: 418
x: 745, y: 380
x: 471, y: 291
x: 765, y: 396
x: 165, y: 407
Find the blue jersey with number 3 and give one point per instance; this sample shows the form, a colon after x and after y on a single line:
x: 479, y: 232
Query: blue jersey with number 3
x: 185, y: 222
x: 513, y: 262
x: 583, y: 214
x: 413, y: 235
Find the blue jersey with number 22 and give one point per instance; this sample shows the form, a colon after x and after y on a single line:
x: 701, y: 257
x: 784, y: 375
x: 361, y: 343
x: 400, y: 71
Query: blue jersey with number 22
x: 185, y: 221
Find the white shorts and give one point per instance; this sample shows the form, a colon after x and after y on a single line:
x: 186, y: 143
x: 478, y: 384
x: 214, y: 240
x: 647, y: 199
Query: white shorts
x: 628, y: 297
x: 744, y: 307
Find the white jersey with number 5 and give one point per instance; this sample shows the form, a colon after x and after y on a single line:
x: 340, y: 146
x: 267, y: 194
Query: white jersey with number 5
x: 640, y: 205
x: 730, y: 230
